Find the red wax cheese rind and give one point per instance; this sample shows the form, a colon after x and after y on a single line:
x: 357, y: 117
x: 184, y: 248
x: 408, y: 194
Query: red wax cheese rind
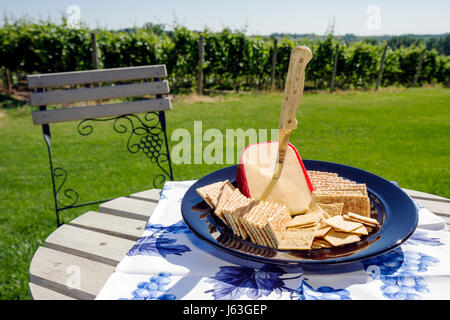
x: 257, y: 163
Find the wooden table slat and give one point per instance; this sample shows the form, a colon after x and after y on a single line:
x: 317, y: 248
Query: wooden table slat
x: 151, y: 195
x: 426, y: 196
x: 42, y: 293
x: 68, y: 274
x: 89, y: 244
x: 97, y: 241
x: 129, y: 208
x: 117, y: 226
x: 441, y: 208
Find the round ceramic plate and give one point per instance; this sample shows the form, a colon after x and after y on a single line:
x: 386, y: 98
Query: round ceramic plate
x: 390, y: 205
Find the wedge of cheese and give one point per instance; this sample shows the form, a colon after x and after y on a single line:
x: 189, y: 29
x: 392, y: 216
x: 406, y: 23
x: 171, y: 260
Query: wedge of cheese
x: 254, y: 177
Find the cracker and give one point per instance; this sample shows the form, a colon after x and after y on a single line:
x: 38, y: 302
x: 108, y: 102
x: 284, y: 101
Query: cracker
x: 360, y: 231
x: 332, y: 209
x: 313, y: 216
x: 227, y: 191
x: 337, y: 238
x: 360, y: 188
x: 320, y: 244
x: 338, y: 222
x: 364, y: 220
x: 251, y: 220
x: 210, y: 193
x: 304, y: 226
x: 260, y: 222
x: 275, y: 227
x: 359, y: 204
x: 237, y: 205
x: 320, y: 232
x: 297, y: 240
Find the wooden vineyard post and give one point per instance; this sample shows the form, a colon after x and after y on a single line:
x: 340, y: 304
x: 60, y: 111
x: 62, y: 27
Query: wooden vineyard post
x: 94, y: 52
x: 201, y: 54
x: 8, y: 80
x: 419, y: 68
x: 380, y: 71
x: 274, y: 64
x: 333, y: 75
x: 94, y: 55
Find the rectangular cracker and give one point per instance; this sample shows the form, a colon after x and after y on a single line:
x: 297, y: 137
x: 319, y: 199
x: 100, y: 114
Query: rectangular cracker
x: 360, y: 188
x: 337, y: 238
x: 364, y: 220
x: 358, y: 204
x: 321, y: 173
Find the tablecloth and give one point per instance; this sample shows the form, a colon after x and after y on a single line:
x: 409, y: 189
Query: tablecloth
x: 169, y: 262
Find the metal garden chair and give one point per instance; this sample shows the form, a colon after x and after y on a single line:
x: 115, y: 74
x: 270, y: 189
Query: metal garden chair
x: 147, y: 133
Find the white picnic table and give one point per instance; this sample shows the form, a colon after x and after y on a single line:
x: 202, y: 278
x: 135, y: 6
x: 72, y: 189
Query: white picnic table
x: 78, y: 258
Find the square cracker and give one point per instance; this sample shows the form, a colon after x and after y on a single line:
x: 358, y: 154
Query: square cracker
x: 211, y: 192
x: 338, y: 222
x: 249, y: 221
x: 236, y: 206
x: 297, y: 240
x: 360, y: 231
x: 332, y: 209
x: 275, y: 227
x: 337, y: 238
x: 320, y: 244
x: 313, y: 217
x: 318, y: 233
x: 227, y: 191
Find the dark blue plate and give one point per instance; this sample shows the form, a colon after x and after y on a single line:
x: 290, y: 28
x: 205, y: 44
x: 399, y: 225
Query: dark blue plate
x: 390, y: 205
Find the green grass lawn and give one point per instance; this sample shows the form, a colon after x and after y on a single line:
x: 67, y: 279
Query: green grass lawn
x: 401, y: 135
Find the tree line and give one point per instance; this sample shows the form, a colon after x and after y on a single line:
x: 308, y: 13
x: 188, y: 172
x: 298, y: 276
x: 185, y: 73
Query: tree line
x: 225, y: 60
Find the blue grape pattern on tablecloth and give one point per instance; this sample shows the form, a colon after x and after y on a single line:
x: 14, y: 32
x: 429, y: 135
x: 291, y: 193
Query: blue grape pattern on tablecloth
x: 398, y: 270
x: 154, y: 289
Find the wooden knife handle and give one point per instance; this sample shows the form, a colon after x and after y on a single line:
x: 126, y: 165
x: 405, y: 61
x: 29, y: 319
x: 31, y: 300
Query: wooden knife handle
x: 293, y: 91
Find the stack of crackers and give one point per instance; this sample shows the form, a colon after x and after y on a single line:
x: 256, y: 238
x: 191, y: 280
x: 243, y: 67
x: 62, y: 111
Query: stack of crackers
x: 329, y: 188
x: 262, y: 222
x: 339, y: 215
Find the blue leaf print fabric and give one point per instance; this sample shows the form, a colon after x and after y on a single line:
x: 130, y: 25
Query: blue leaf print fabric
x: 234, y: 282
x: 421, y: 237
x: 179, y: 227
x: 157, y: 245
x: 158, y: 242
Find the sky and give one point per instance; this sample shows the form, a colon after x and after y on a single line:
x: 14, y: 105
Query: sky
x: 261, y: 17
